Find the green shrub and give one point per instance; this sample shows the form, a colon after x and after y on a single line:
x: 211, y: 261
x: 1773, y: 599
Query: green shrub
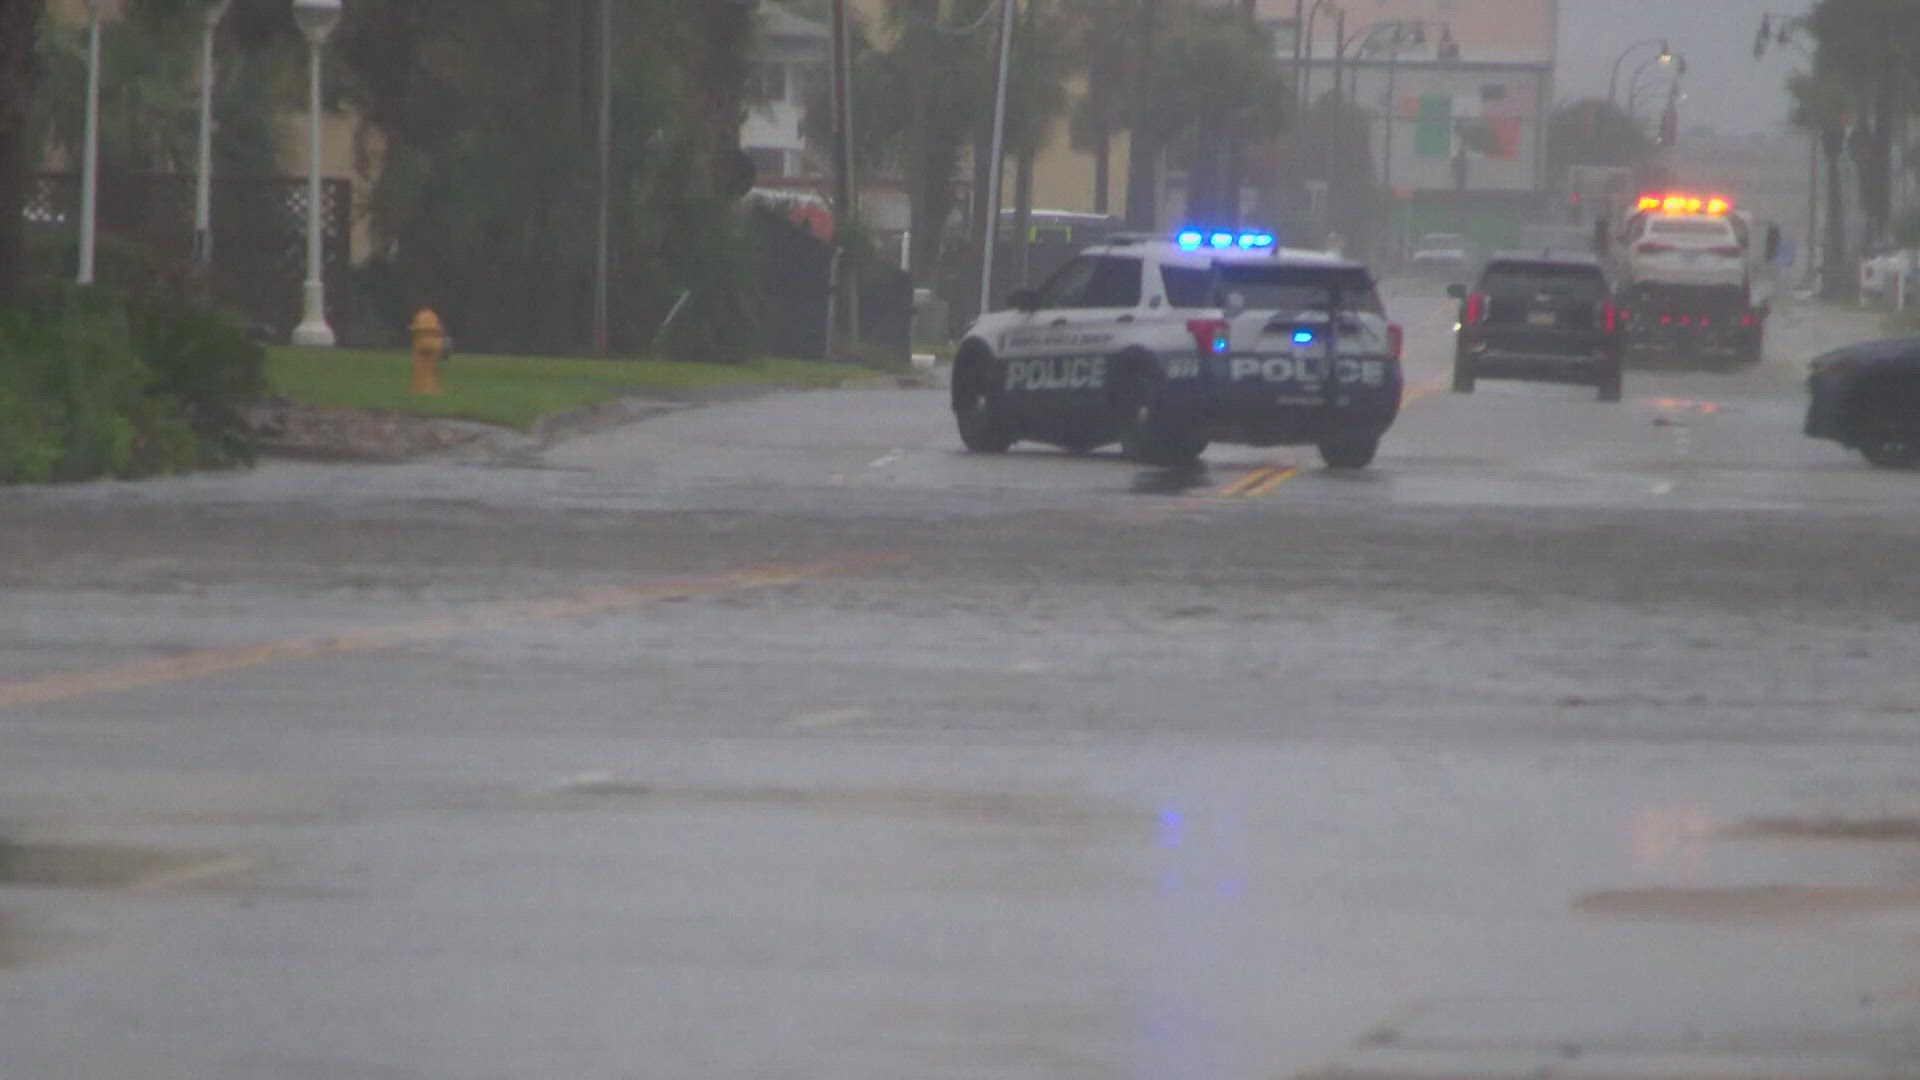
x: 95, y: 386
x: 73, y: 371
x: 204, y: 362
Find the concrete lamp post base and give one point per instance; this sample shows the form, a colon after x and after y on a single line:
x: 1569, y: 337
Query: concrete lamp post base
x: 313, y: 330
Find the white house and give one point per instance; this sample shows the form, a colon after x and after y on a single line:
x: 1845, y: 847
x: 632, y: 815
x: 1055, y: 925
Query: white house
x: 789, y: 71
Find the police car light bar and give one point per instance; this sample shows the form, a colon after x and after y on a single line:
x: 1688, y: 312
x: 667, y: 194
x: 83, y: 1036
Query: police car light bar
x: 1685, y: 204
x: 1194, y: 240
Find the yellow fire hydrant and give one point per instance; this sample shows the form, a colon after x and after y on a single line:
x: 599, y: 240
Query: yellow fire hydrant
x: 429, y: 348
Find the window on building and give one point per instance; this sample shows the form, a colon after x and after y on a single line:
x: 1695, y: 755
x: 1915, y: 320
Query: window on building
x: 809, y: 83
x: 767, y: 82
x: 769, y: 163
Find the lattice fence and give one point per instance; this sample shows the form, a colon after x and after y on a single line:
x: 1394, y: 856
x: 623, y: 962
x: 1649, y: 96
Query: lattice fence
x: 259, y: 236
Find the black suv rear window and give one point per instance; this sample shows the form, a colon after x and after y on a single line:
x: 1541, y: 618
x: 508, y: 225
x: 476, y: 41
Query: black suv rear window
x: 1558, y: 280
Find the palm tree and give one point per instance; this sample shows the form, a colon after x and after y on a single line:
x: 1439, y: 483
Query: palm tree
x: 1873, y: 48
x: 1823, y: 105
x: 1102, y: 41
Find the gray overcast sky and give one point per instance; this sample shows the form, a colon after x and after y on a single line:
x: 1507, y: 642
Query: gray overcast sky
x: 1724, y: 87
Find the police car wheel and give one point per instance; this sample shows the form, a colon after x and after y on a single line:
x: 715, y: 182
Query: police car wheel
x: 977, y: 408
x: 1349, y: 453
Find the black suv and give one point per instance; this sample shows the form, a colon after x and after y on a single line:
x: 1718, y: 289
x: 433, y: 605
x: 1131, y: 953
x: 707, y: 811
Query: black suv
x: 1548, y: 317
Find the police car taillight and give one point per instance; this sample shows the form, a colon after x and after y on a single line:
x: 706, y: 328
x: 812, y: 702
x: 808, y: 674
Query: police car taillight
x: 1209, y: 335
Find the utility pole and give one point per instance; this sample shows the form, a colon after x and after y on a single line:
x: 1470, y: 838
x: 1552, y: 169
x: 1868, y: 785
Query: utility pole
x: 844, y: 210
x: 995, y: 155
x: 1299, y: 62
x: 1023, y: 176
x: 1143, y: 151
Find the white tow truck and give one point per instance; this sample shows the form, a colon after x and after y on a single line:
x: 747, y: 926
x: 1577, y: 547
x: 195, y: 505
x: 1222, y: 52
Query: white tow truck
x: 1693, y: 281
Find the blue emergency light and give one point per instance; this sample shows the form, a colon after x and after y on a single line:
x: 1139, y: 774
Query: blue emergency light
x: 1194, y: 240
x: 1303, y: 337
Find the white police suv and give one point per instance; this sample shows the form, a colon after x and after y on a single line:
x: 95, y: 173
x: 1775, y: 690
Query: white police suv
x: 1166, y: 346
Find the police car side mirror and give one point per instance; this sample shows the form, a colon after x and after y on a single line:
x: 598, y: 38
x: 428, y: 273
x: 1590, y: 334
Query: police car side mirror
x: 1024, y: 299
x: 1458, y: 292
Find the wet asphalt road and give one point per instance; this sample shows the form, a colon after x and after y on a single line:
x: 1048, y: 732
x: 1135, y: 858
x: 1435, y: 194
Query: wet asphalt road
x: 780, y: 739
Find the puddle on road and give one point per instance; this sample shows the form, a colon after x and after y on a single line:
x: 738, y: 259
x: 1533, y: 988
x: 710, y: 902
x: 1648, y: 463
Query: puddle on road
x: 1036, y: 811
x: 27, y: 864
x: 1757, y: 902
x: 1865, y: 830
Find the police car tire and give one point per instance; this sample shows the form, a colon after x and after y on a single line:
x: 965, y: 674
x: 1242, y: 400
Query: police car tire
x: 1148, y: 436
x: 1349, y: 453
x: 977, y: 408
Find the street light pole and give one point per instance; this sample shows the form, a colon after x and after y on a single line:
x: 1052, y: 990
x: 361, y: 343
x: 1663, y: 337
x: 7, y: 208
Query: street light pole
x: 1613, y: 80
x: 317, y: 20
x: 998, y: 152
x: 1676, y: 72
x: 90, y: 154
x: 1305, y: 78
x: 210, y: 17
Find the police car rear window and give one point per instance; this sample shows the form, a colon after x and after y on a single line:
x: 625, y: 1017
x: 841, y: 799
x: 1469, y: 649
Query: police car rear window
x: 1301, y: 288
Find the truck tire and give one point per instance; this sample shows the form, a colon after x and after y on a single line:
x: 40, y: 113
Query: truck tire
x: 978, y: 409
x: 1348, y: 454
x: 1609, y: 386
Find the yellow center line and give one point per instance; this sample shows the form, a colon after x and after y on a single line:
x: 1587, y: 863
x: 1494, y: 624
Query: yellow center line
x: 203, y: 663
x: 1247, y: 482
x: 1273, y: 482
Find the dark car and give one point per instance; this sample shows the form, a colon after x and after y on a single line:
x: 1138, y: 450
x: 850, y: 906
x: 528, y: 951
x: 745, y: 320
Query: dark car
x: 1545, y: 318
x: 1867, y: 397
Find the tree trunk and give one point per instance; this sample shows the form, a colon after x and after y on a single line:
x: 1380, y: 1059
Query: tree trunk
x: 1876, y: 172
x: 1836, y: 283
x: 726, y: 32
x: 1143, y: 150
x: 924, y: 245
x: 19, y: 22
x: 1102, y: 161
